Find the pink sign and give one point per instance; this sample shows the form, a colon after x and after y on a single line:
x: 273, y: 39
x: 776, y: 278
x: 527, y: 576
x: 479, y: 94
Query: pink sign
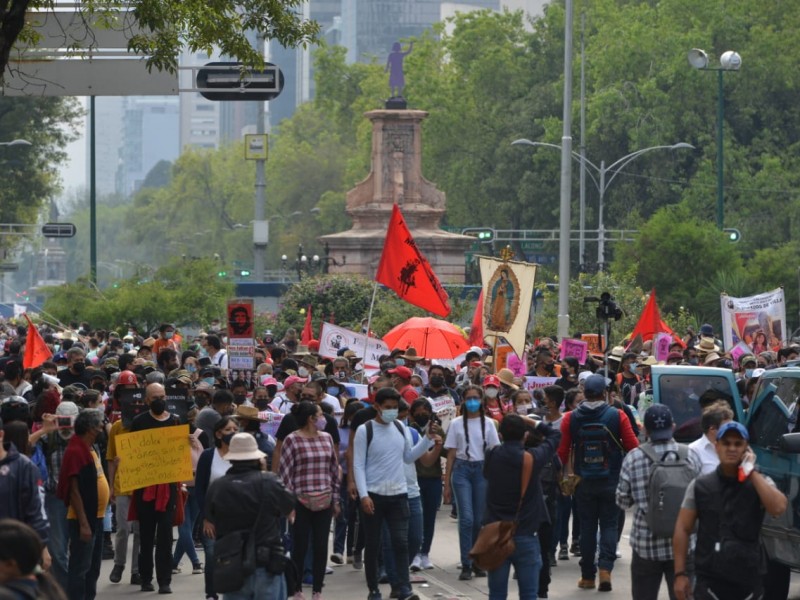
x: 738, y: 351
x: 577, y: 348
x: 661, y: 346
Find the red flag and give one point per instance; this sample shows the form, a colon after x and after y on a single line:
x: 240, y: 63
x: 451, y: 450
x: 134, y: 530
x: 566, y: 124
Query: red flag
x: 36, y: 351
x: 476, y: 329
x: 404, y: 269
x: 308, y: 332
x: 650, y: 322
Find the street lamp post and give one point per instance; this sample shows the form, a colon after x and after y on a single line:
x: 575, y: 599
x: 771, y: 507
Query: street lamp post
x: 729, y: 61
x: 600, y: 180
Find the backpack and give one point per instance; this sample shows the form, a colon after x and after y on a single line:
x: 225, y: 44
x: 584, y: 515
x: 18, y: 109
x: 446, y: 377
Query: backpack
x: 666, y: 486
x: 592, y: 441
x: 370, y: 432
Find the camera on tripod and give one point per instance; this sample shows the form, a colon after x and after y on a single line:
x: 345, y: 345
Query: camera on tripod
x: 607, y: 309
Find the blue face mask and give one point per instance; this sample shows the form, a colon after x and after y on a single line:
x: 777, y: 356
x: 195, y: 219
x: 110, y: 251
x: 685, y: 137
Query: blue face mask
x: 418, y: 390
x: 389, y: 414
x: 190, y: 368
x: 633, y: 366
x: 210, y: 380
x: 748, y: 373
x: 473, y: 405
x: 333, y: 390
x: 400, y: 362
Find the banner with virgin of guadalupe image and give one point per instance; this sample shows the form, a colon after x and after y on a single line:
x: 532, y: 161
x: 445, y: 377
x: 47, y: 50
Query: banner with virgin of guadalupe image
x: 758, y: 321
x: 507, y: 296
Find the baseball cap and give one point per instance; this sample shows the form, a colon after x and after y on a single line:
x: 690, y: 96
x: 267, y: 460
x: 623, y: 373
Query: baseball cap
x: 403, y: 372
x: 294, y: 379
x: 491, y: 380
x: 594, y: 386
x: 733, y: 426
x: 127, y: 378
x: 658, y: 423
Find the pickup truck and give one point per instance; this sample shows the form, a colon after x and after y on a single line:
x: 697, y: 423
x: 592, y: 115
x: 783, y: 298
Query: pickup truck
x: 774, y: 427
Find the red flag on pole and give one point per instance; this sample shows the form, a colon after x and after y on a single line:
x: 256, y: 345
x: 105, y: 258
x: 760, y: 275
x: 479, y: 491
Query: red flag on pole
x: 650, y: 322
x: 36, y: 351
x: 476, y: 329
x: 308, y: 332
x: 404, y: 269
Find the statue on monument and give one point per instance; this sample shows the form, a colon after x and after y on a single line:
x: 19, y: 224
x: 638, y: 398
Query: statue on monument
x: 394, y: 66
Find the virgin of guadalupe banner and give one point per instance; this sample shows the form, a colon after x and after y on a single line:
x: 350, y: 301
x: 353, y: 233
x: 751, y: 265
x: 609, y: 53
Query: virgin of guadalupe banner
x: 759, y: 321
x: 507, y: 296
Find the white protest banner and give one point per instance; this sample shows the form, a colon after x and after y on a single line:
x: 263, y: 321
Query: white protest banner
x: 532, y: 383
x: 445, y: 408
x: 333, y: 338
x: 575, y: 348
x: 759, y: 321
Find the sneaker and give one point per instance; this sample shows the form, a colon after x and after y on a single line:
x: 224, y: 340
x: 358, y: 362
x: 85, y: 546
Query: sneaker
x: 605, y: 581
x: 358, y: 561
x: 425, y: 562
x: 563, y: 554
x: 383, y: 578
x: 148, y: 587
x: 136, y: 579
x: 575, y: 549
x: 328, y: 571
x: 197, y: 569
x: 586, y: 584
x: 298, y: 596
x: 466, y: 575
x: 349, y: 559
x: 394, y: 594
x: 164, y: 589
x: 416, y: 564
x: 619, y: 554
x: 337, y: 559
x: 116, y: 574
x: 375, y: 595
x: 478, y: 572
x: 553, y: 562
x: 176, y: 569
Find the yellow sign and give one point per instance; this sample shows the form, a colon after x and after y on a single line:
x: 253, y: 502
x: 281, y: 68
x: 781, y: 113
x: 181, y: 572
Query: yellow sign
x: 153, y: 456
x: 256, y: 146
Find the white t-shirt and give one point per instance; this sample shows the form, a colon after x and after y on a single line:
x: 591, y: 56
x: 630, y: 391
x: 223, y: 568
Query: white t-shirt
x: 219, y: 466
x: 281, y: 404
x: 707, y: 452
x: 456, y: 438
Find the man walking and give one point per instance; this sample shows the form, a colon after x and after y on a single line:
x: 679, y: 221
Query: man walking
x: 594, y: 438
x: 652, y: 554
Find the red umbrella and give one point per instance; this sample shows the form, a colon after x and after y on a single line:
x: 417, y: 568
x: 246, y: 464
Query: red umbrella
x: 432, y: 338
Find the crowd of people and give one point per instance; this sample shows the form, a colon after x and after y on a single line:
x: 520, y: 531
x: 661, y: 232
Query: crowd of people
x: 371, y: 455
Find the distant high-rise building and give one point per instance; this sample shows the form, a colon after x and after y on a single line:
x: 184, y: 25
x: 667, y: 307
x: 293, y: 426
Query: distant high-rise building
x: 108, y: 120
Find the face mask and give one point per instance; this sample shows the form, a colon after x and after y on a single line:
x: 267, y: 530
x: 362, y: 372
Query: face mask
x: 418, y: 389
x: 333, y: 391
x: 450, y: 380
x: 341, y: 375
x: 422, y: 419
x: 226, y: 439
x: 66, y: 433
x: 400, y: 362
x: 79, y: 367
x: 158, y: 406
x: 60, y: 368
x: 389, y: 414
x: 321, y: 423
x: 550, y: 368
x: 748, y: 373
x: 210, y: 380
x: 99, y: 387
x: 130, y: 333
x: 522, y: 409
x: 632, y: 367
x: 437, y: 382
x: 693, y: 361
x: 168, y: 335
x: 240, y: 399
x: 491, y: 392
x: 302, y: 372
x: 473, y: 405
x: 191, y: 368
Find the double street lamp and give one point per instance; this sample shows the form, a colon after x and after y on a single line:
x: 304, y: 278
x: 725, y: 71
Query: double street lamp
x: 602, y: 182
x: 729, y: 61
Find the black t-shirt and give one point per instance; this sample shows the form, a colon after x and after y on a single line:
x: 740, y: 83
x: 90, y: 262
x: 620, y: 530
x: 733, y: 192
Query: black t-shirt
x: 67, y: 377
x: 289, y: 425
x: 147, y: 421
x: 362, y: 416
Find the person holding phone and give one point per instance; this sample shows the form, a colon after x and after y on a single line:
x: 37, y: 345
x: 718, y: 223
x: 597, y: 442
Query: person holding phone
x: 728, y: 508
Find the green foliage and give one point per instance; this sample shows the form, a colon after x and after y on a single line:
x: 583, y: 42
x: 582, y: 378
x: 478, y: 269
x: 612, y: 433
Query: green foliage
x: 186, y: 292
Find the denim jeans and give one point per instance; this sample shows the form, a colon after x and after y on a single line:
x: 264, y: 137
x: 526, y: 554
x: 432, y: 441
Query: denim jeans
x: 261, y: 586
x: 394, y: 511
x: 527, y: 561
x: 343, y: 528
x: 564, y: 507
x: 124, y: 529
x: 208, y: 570
x: 414, y: 541
x: 469, y: 489
x: 185, y: 543
x: 58, y: 540
x: 598, y: 510
x: 84, y: 560
x: 430, y: 489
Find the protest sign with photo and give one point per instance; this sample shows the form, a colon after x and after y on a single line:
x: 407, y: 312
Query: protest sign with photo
x: 576, y: 348
x: 153, y: 456
x: 444, y: 407
x: 759, y: 321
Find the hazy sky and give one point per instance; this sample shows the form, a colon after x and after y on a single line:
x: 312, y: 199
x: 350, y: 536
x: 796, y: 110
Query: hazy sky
x: 73, y: 171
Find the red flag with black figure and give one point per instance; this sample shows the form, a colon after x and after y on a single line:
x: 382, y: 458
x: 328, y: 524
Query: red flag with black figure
x: 404, y: 269
x: 36, y: 351
x: 308, y: 332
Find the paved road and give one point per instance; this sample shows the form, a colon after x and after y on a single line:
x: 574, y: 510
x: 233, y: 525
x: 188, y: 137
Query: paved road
x: 442, y: 582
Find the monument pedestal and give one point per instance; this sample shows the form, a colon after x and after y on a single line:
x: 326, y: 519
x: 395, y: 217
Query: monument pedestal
x: 396, y: 177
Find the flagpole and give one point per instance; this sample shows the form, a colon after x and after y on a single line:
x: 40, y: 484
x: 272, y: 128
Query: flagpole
x: 369, y: 320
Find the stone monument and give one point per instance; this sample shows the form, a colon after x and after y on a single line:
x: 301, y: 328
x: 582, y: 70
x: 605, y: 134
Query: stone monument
x: 396, y: 177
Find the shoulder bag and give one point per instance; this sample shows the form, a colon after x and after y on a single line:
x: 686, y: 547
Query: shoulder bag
x: 495, y: 541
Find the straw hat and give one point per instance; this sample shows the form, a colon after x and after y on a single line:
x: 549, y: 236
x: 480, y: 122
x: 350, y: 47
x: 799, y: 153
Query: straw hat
x: 706, y: 345
x: 711, y: 357
x: 250, y: 413
x: 411, y: 354
x: 506, y: 376
x: 243, y: 446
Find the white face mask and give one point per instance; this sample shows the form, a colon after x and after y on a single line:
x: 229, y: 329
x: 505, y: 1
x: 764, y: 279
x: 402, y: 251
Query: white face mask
x: 522, y: 409
x: 491, y: 392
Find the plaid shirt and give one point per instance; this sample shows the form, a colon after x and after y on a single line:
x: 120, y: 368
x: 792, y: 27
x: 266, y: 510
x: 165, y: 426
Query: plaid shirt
x: 632, y: 491
x: 309, y: 465
x: 53, y: 446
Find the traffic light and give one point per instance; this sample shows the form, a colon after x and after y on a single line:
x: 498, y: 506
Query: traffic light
x: 242, y: 273
x: 222, y: 274
x: 484, y: 234
x: 734, y: 235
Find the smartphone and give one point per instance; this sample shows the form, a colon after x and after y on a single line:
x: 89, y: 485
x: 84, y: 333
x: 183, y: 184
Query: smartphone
x: 65, y: 422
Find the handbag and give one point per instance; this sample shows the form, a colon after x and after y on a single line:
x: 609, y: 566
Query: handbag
x: 316, y: 501
x: 495, y: 541
x: 570, y: 480
x: 180, y: 506
x: 235, y: 557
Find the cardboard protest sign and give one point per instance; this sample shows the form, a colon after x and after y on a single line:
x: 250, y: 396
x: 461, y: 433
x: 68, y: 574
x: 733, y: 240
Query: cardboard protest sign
x: 576, y: 348
x: 597, y: 343
x: 153, y: 456
x: 532, y: 383
x: 131, y: 404
x: 445, y: 408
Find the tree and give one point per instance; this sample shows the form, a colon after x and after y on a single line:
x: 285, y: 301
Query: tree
x: 168, y: 26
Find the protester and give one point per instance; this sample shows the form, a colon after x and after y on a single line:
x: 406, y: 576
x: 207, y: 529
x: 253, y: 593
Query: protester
x: 493, y: 405
x: 728, y: 514
x: 464, y: 473
x: 221, y: 405
x: 309, y: 468
x: 712, y: 418
x: 347, y: 538
x: 21, y: 549
x: 261, y: 501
